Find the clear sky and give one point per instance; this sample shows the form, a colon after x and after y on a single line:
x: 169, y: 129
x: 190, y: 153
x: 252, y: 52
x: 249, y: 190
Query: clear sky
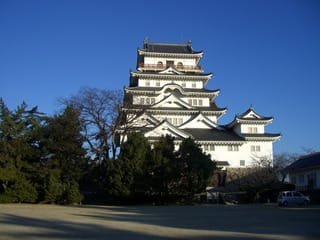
x: 264, y: 53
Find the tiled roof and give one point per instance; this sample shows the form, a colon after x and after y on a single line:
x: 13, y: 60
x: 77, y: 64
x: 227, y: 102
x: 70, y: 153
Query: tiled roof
x: 209, y: 135
x: 169, y: 48
x: 197, y: 74
x: 214, y: 135
x: 255, y: 119
x: 308, y: 161
x: 213, y: 108
x: 189, y: 90
x: 264, y: 135
x: 242, y: 116
x: 222, y: 163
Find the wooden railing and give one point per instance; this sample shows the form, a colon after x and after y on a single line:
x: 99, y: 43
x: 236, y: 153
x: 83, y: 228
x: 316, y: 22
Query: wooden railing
x: 164, y: 66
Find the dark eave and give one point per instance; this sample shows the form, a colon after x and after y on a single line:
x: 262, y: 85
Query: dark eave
x: 237, y: 121
x: 169, y: 48
x: 185, y: 74
x: 216, y: 135
x: 187, y: 91
x: 262, y: 136
x: 213, y: 110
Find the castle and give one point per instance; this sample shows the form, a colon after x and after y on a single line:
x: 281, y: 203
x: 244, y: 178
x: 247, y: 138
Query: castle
x: 167, y: 94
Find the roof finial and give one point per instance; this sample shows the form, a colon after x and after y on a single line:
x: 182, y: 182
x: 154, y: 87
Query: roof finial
x: 145, y: 41
x: 251, y: 106
x: 189, y: 42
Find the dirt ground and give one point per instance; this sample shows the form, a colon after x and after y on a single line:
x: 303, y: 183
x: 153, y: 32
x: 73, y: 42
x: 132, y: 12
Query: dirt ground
x: 22, y: 221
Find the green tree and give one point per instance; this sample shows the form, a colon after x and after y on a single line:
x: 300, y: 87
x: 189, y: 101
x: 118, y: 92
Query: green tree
x: 22, y: 190
x: 130, y: 165
x: 53, y: 188
x: 19, y: 146
x: 161, y: 168
x: 196, y: 168
x: 64, y: 158
x: 64, y: 145
x: 72, y: 194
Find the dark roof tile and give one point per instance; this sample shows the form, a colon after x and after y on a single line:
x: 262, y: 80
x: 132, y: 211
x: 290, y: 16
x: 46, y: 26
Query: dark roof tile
x: 213, y: 135
x: 169, y: 48
x: 307, y: 161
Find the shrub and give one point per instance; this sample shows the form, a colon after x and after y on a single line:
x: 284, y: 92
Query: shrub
x: 22, y: 191
x: 72, y: 193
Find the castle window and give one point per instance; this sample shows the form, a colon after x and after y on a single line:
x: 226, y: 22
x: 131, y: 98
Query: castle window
x: 147, y: 101
x: 242, y: 163
x: 158, y: 84
x: 255, y: 148
x: 174, y: 121
x: 233, y: 148
x: 194, y: 85
x: 179, y: 65
x: 142, y: 101
x: 212, y: 148
x: 190, y: 102
x: 200, y: 102
x: 195, y: 102
x: 170, y: 63
x: 160, y: 64
x: 206, y: 147
x: 147, y: 84
x: 183, y: 85
x: 252, y: 129
x: 153, y: 100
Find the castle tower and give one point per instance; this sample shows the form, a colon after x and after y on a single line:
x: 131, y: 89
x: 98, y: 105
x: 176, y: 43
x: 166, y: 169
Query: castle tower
x: 167, y: 94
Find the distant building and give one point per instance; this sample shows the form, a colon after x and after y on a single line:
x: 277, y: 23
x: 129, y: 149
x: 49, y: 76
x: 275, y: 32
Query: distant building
x: 305, y: 172
x: 167, y: 94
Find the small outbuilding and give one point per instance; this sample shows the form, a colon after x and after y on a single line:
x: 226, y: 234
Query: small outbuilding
x: 305, y: 172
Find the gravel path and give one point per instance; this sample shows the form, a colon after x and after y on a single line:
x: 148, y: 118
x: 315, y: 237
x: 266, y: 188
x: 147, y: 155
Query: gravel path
x: 22, y: 221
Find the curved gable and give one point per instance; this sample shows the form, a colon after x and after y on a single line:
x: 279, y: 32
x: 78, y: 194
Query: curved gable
x: 199, y: 121
x: 172, y: 101
x: 166, y: 128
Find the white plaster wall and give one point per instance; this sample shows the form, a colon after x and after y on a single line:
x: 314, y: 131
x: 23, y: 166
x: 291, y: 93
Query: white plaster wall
x: 245, y: 128
x: 213, y: 119
x: 221, y: 153
x: 153, y: 83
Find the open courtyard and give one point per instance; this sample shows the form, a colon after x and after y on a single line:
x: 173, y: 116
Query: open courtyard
x: 22, y: 221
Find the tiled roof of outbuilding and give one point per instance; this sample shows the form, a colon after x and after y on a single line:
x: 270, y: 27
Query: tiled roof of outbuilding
x: 311, y: 160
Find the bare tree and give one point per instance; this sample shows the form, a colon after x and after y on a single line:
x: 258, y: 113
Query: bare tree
x: 281, y: 161
x: 99, y: 114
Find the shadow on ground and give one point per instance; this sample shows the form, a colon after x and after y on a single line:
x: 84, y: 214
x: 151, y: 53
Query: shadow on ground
x: 163, y: 222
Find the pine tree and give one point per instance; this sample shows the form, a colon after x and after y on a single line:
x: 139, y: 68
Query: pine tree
x: 195, y: 168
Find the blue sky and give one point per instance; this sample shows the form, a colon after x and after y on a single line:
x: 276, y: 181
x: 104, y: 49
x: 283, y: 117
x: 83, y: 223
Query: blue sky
x: 264, y: 53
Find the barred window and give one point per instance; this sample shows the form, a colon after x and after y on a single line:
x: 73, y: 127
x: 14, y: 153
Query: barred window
x: 255, y: 148
x: 233, y: 148
x: 212, y: 147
